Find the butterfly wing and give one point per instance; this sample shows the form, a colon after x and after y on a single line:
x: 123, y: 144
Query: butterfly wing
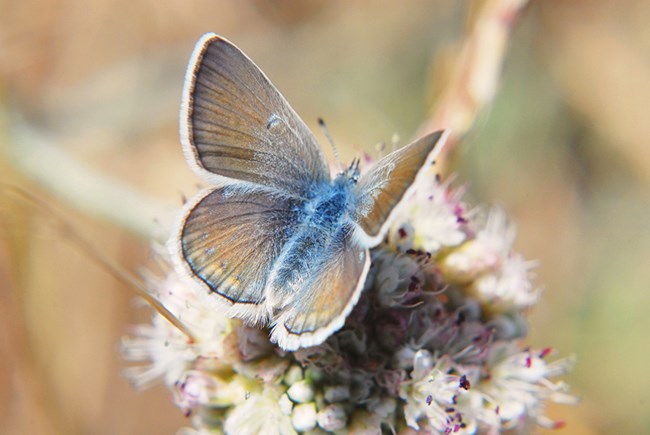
x: 235, y: 124
x: 380, y: 190
x: 229, y: 240
x: 327, y: 296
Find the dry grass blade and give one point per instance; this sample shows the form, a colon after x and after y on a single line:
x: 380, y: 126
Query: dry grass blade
x: 64, y: 228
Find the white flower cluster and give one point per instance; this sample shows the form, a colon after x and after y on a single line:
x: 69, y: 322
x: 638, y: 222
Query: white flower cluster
x: 432, y: 345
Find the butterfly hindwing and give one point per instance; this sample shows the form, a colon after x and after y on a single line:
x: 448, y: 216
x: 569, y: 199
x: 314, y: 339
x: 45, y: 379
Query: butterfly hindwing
x: 387, y: 182
x: 229, y: 241
x: 235, y: 124
x: 328, y: 295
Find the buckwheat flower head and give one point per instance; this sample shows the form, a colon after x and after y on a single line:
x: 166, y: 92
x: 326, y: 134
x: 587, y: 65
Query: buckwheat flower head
x: 433, y: 345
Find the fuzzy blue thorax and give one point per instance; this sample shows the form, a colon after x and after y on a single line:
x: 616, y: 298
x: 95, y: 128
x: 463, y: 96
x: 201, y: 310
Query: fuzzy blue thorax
x: 333, y: 203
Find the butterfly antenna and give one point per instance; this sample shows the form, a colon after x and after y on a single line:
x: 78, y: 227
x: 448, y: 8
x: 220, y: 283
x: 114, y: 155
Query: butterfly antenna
x: 323, y: 127
x: 93, y: 252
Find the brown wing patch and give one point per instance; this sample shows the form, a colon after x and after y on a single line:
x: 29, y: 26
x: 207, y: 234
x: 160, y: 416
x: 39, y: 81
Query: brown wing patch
x: 231, y: 238
x: 235, y: 123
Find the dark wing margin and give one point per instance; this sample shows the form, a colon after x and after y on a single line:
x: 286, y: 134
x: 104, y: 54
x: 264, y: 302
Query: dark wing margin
x: 328, y: 297
x: 228, y: 242
x: 235, y: 124
x: 387, y: 182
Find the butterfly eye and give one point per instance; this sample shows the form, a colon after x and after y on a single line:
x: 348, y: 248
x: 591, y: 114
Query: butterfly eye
x: 353, y: 171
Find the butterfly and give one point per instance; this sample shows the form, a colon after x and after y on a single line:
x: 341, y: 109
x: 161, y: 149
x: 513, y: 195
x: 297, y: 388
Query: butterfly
x: 275, y: 236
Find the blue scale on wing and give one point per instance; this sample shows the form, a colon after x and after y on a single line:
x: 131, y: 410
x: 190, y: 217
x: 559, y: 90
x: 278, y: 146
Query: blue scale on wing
x: 312, y: 249
x: 304, y: 256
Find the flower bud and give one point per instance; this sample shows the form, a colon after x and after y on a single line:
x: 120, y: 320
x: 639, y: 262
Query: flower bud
x: 303, y: 417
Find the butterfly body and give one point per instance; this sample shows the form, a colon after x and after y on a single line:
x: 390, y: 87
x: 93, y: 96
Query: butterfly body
x: 276, y: 238
x: 325, y: 221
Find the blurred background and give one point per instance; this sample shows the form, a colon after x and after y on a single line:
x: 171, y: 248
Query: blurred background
x: 89, y: 97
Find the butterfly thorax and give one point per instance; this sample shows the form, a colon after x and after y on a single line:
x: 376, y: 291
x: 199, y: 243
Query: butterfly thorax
x: 331, y: 205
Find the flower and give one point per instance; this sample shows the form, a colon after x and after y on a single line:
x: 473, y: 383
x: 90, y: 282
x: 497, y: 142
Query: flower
x: 433, y: 344
x: 519, y: 384
x: 431, y: 392
x: 436, y: 212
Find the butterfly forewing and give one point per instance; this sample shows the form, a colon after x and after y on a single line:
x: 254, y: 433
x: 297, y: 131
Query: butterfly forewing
x: 235, y: 124
x: 230, y: 240
x: 381, y: 189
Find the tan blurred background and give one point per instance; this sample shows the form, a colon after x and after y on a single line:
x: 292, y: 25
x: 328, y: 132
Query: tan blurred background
x: 89, y: 96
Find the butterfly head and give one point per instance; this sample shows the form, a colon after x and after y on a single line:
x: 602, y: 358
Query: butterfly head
x: 352, y: 172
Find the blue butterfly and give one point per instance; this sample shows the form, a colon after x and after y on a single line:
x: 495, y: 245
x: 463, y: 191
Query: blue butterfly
x: 275, y: 236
